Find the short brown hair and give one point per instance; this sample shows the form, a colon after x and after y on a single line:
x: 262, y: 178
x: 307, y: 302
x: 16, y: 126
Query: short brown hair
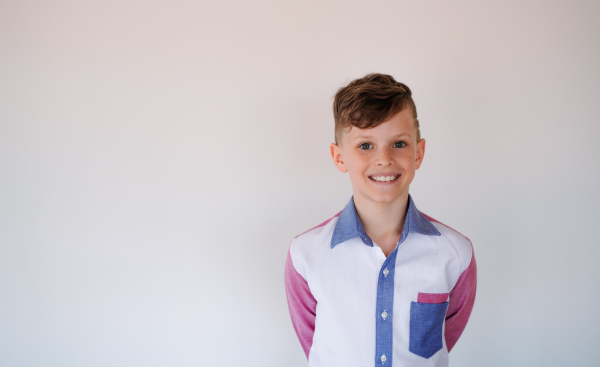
x: 369, y: 101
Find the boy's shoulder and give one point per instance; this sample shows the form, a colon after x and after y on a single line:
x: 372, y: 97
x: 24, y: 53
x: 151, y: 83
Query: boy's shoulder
x: 453, y: 240
x: 447, y: 231
x: 310, y: 245
x: 317, y: 235
x: 321, y: 228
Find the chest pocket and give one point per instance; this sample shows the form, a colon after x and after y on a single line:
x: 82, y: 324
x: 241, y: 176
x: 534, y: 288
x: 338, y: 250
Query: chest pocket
x: 426, y: 324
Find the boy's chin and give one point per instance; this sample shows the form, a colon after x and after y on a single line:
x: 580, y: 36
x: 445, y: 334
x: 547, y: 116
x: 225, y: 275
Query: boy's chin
x: 384, y: 198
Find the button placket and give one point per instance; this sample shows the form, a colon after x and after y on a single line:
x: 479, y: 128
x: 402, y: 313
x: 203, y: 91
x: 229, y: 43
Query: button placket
x: 385, y: 302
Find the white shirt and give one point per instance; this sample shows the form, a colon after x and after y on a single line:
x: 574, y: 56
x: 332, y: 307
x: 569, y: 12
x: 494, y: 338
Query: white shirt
x: 352, y: 306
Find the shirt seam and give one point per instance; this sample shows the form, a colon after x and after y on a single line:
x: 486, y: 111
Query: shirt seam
x: 293, y: 264
x: 470, y: 260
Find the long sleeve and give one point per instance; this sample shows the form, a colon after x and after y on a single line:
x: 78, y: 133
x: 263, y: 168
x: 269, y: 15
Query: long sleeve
x: 462, y: 298
x: 302, y: 305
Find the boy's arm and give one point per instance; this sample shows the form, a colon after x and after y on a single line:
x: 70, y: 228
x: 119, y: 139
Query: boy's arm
x: 302, y: 305
x: 462, y: 298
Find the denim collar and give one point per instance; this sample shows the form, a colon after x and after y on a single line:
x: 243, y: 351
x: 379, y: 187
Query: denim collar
x: 349, y: 225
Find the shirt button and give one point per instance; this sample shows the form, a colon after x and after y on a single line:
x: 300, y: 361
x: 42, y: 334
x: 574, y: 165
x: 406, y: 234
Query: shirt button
x: 385, y: 272
x: 384, y: 315
x: 383, y: 358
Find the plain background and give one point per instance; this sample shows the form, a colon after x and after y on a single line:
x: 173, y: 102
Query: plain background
x: 156, y: 158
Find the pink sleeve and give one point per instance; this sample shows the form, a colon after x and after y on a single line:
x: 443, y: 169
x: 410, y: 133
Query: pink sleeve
x: 302, y: 305
x: 462, y: 298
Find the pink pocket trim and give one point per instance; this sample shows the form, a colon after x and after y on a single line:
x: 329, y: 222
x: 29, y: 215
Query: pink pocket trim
x: 432, y: 297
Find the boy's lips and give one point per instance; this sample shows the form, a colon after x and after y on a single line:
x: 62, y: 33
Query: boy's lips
x: 387, y: 177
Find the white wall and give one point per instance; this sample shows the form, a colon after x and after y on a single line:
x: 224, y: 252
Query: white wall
x: 156, y: 158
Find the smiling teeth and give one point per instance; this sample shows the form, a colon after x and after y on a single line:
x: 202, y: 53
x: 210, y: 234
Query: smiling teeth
x: 384, y: 178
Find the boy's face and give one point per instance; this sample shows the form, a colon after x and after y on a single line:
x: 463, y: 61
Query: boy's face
x: 373, y: 156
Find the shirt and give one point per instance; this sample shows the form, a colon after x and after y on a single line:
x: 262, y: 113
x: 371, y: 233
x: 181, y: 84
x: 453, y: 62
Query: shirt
x: 352, y: 306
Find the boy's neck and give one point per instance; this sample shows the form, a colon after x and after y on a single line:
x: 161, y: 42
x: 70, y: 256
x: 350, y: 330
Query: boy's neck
x: 383, y: 222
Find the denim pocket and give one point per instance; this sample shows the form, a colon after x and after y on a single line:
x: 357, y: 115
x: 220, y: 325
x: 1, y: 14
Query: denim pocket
x: 426, y: 322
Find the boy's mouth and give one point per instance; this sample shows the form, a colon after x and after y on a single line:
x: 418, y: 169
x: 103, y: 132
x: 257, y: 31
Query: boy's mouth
x: 384, y: 177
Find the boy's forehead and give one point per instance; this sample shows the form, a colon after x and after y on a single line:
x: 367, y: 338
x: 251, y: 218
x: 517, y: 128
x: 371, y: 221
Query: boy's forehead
x: 397, y: 126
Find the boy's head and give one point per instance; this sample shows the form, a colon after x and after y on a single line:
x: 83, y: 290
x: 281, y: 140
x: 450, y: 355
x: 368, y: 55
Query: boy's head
x: 377, y: 138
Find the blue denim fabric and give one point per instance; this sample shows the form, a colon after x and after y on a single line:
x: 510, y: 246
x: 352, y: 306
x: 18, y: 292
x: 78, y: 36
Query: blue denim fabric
x: 426, y: 321
x: 349, y: 226
x: 385, y: 302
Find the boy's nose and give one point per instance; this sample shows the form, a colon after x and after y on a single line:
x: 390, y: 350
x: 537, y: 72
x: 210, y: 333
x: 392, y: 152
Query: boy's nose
x: 384, y: 158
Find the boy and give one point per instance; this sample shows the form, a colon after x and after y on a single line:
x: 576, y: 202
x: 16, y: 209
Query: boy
x: 380, y: 282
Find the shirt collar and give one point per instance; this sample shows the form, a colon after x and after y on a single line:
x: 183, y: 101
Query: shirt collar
x: 349, y: 225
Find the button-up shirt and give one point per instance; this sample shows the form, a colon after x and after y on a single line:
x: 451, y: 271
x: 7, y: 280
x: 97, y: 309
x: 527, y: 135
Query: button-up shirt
x: 353, y: 306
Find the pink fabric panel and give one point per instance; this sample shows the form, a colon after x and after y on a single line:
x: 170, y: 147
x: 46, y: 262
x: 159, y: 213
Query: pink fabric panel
x: 462, y: 298
x: 461, y: 303
x: 302, y: 305
x: 432, y: 297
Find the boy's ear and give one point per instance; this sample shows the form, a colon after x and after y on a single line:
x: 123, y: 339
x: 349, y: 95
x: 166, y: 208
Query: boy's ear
x: 338, y: 159
x: 420, y: 152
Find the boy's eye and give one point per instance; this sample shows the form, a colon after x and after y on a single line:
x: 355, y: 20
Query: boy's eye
x: 365, y: 146
x: 399, y: 144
